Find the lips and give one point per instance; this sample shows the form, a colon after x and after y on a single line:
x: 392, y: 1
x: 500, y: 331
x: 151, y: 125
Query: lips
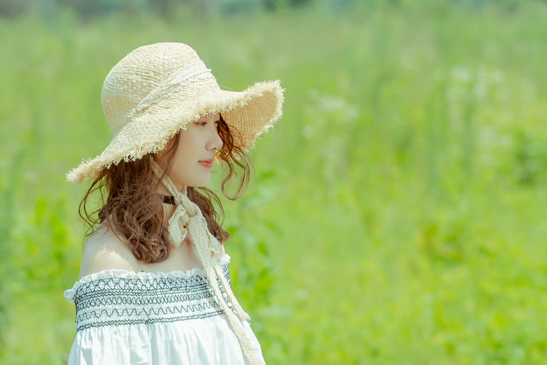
x: 207, y: 163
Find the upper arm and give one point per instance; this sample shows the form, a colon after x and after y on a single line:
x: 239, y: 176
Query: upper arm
x: 105, y: 251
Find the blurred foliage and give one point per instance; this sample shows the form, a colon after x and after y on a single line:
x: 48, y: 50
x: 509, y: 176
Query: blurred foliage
x: 397, y: 210
x: 87, y: 10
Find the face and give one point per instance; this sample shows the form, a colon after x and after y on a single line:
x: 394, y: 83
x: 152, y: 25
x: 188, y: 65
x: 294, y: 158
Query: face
x: 193, y: 158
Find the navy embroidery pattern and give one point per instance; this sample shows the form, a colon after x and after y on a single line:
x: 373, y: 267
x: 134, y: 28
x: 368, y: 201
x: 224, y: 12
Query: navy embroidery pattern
x: 145, y: 300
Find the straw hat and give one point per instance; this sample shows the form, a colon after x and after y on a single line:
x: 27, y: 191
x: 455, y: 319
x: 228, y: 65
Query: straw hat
x: 159, y: 89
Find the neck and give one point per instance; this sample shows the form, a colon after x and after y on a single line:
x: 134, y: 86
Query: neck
x: 168, y: 209
x: 163, y: 190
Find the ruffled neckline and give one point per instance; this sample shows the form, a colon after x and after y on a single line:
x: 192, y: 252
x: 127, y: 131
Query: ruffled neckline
x: 126, y: 274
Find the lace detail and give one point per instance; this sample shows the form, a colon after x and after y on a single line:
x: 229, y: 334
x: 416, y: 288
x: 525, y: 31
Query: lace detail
x: 118, y: 297
x: 190, y: 73
x: 177, y: 80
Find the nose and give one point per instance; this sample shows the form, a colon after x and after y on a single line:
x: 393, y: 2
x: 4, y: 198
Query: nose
x: 215, y: 142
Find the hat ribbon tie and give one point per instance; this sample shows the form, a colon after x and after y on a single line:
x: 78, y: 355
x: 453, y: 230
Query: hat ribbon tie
x: 178, y: 225
x: 188, y: 219
x: 179, y: 79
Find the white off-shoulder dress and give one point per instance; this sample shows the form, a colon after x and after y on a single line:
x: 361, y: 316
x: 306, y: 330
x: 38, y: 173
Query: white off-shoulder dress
x: 123, y: 317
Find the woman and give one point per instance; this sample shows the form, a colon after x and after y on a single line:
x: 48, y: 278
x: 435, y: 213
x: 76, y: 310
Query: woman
x: 154, y: 286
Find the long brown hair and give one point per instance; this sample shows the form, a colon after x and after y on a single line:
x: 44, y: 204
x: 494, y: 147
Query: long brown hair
x: 133, y: 208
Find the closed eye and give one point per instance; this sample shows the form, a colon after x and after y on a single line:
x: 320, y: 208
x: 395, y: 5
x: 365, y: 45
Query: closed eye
x: 203, y: 124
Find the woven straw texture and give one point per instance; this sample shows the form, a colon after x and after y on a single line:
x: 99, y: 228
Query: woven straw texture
x: 157, y: 90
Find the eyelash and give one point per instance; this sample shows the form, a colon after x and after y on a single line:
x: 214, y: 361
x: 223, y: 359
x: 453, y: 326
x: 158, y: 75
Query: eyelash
x: 203, y: 124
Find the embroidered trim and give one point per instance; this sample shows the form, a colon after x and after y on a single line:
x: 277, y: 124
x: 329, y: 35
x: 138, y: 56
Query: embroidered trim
x: 124, y: 301
x: 126, y: 322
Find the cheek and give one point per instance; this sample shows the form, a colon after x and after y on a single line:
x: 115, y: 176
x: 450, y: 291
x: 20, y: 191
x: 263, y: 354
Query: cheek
x: 188, y: 149
x: 183, y: 159
x: 186, y: 170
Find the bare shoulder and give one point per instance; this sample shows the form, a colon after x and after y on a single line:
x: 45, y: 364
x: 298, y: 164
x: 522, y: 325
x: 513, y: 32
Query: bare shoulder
x: 105, y: 251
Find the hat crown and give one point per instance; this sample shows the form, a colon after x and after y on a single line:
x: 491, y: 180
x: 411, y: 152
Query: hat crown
x: 144, y: 77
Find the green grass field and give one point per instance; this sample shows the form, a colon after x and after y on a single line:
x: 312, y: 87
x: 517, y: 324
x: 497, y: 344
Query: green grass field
x: 397, y: 214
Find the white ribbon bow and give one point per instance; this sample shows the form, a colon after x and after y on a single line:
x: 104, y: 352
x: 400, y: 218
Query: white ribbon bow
x: 177, y: 225
x: 188, y: 219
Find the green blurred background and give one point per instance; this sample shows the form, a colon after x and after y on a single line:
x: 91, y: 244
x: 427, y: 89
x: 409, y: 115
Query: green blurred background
x: 397, y: 210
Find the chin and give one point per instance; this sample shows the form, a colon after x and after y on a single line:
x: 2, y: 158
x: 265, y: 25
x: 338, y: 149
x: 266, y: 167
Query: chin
x: 201, y: 183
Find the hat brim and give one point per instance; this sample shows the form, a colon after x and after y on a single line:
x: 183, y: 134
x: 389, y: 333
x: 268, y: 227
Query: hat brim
x: 251, y: 112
